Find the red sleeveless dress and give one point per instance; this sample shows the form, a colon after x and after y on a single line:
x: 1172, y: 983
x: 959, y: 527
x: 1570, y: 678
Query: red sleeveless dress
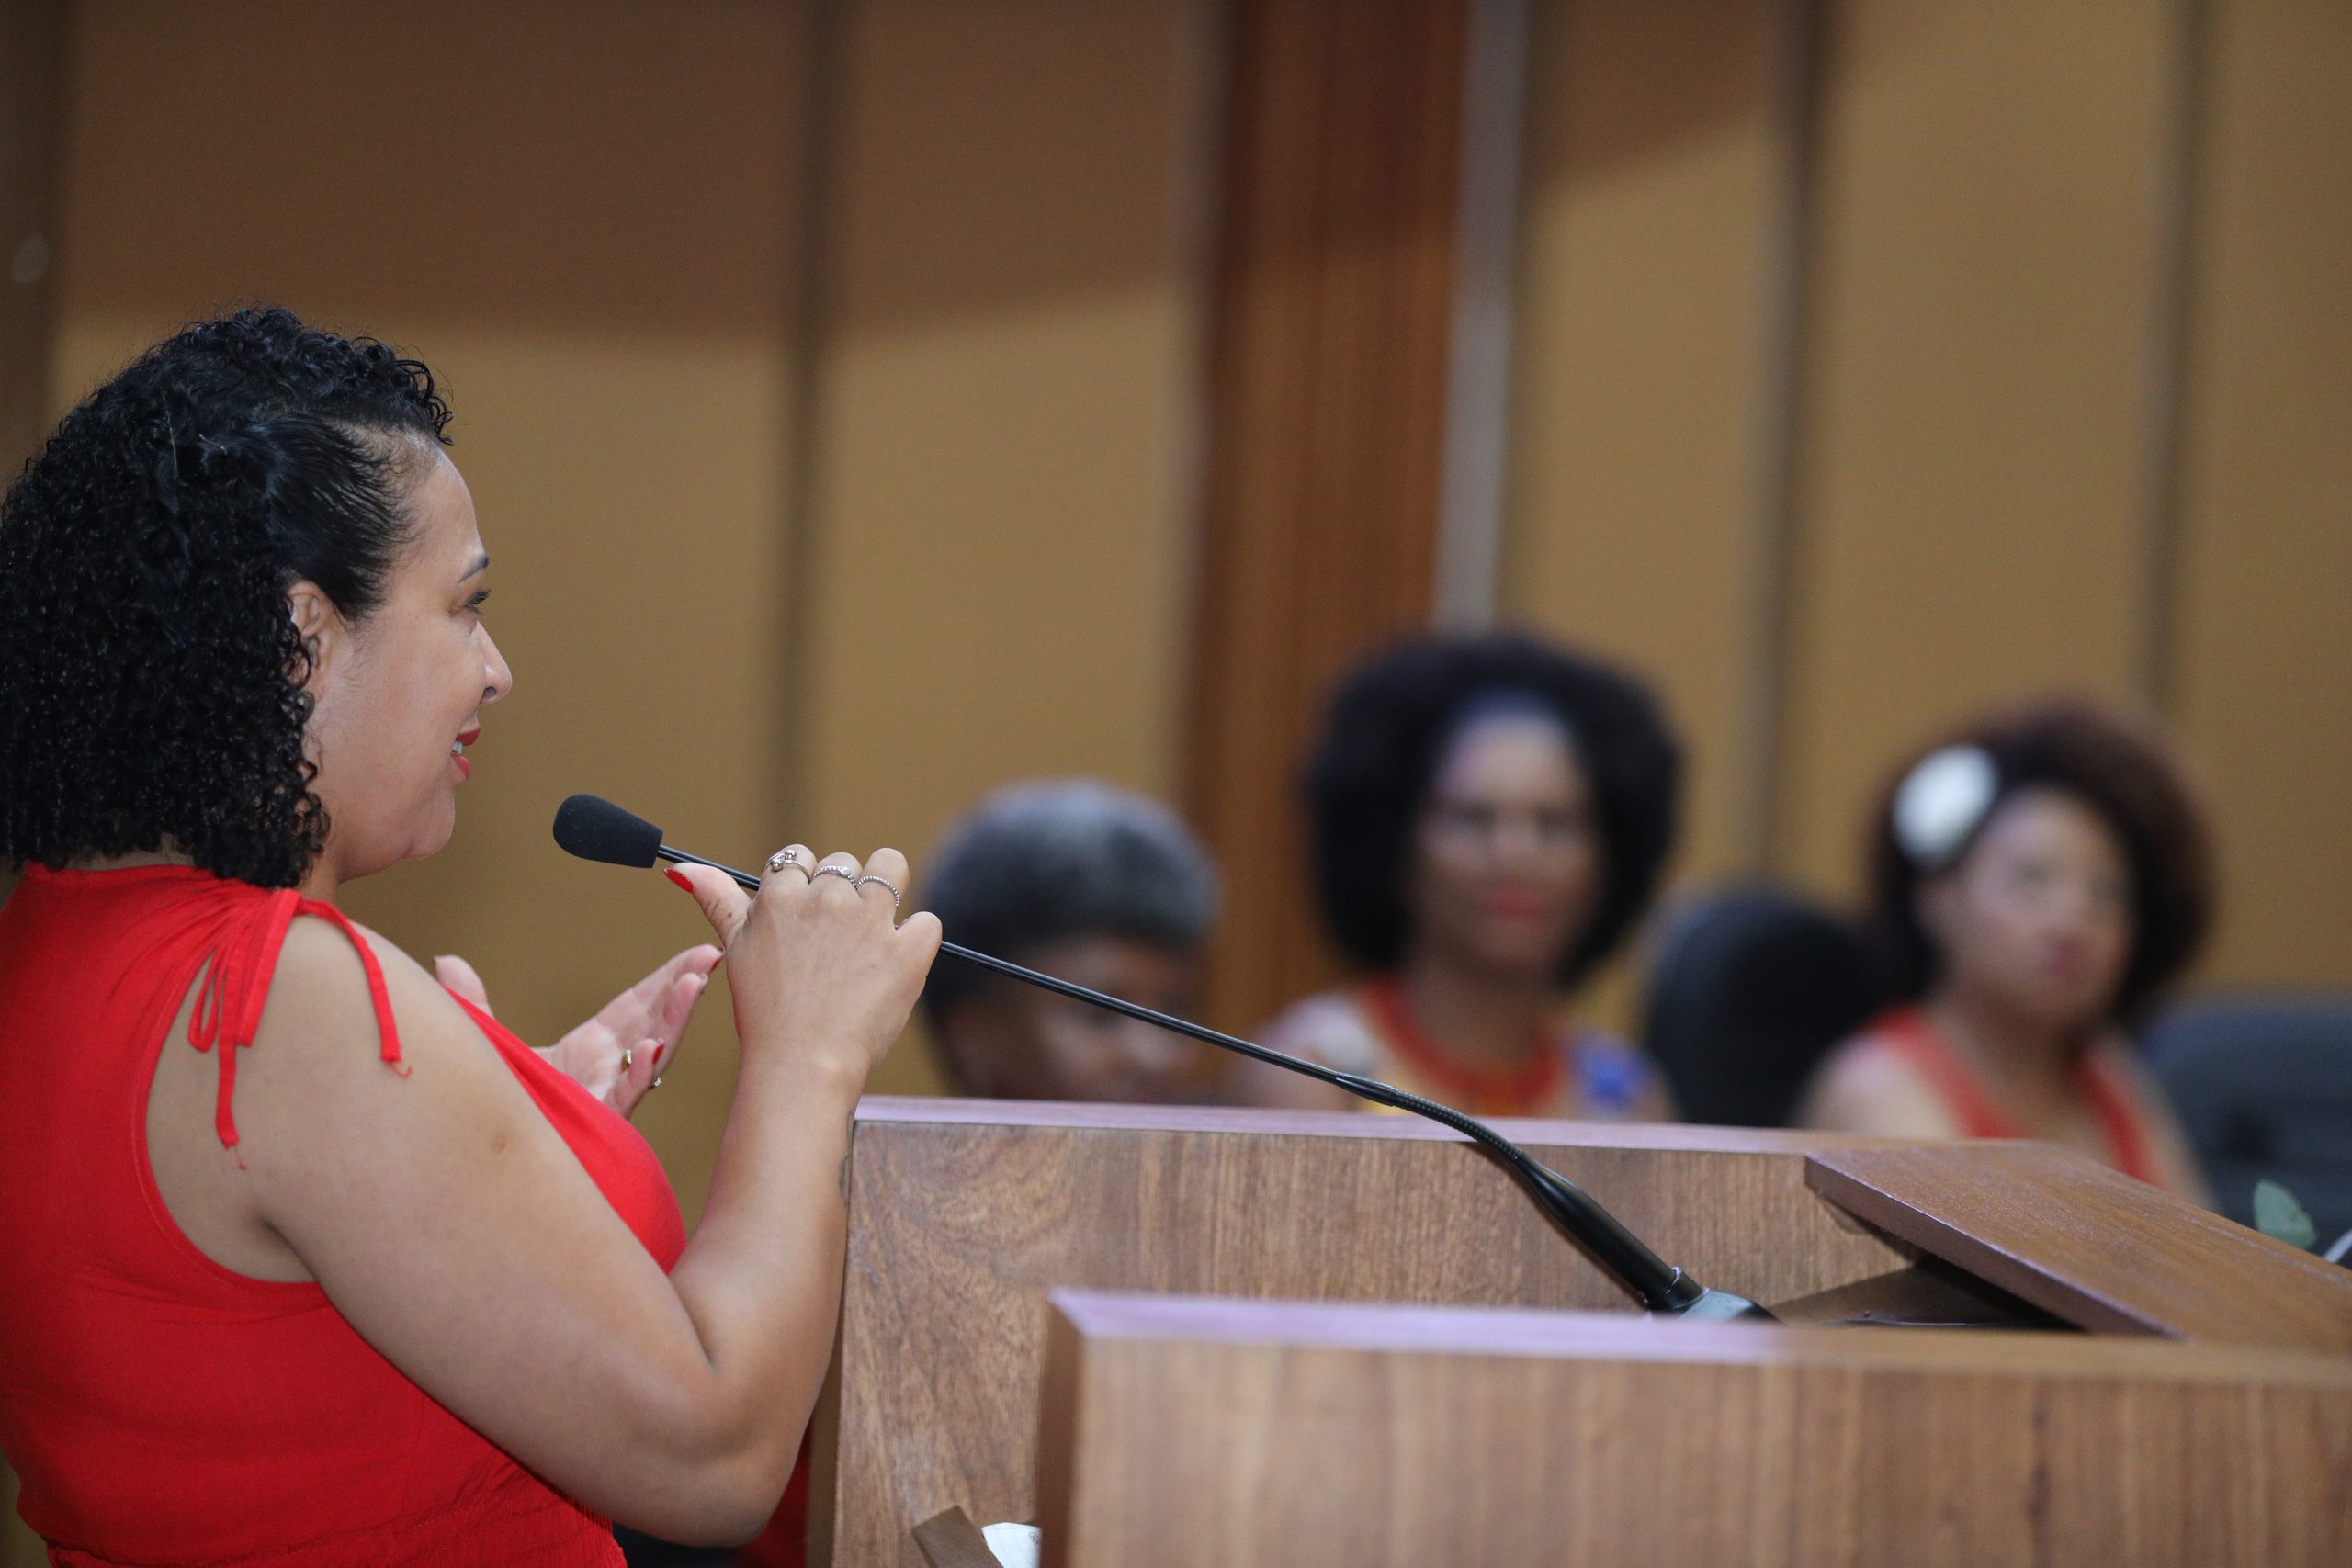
x: 1908, y: 1031
x: 159, y: 1407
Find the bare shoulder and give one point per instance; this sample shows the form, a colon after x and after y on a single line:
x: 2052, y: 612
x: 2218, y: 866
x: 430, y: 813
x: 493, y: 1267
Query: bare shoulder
x: 1325, y: 1029
x: 326, y: 1085
x: 1866, y: 1086
x: 320, y: 987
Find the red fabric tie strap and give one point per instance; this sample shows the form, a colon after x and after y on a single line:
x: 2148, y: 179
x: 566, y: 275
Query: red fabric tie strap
x: 236, y: 986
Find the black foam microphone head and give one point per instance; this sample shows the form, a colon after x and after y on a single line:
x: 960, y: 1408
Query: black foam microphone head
x: 592, y: 828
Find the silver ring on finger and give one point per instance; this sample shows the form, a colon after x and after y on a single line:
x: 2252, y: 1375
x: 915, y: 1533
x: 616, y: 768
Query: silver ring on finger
x: 789, y: 860
x: 869, y: 876
x: 844, y: 872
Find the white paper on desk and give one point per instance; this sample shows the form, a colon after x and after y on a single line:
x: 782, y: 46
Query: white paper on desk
x: 1015, y: 1546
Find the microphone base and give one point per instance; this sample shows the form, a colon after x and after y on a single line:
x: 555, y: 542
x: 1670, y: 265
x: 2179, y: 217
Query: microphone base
x: 1720, y: 1306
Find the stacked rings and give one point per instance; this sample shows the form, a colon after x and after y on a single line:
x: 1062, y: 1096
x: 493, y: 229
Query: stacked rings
x: 789, y: 860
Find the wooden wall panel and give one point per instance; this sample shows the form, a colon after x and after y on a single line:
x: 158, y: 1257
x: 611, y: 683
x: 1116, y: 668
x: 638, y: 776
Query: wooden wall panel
x: 1000, y: 547
x: 1651, y: 183
x: 1328, y: 384
x: 2263, y: 660
x: 1971, y: 504
x: 1656, y: 178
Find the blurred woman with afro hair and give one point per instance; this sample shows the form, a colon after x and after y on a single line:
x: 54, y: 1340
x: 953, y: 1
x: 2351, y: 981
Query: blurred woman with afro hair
x: 1489, y: 817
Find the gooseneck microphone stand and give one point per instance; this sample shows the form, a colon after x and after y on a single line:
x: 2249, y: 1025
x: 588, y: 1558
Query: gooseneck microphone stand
x: 595, y: 828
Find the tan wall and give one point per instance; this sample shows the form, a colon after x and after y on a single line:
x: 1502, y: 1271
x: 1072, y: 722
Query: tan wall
x: 1978, y: 510
x: 1970, y: 517
x: 1642, y: 334
x: 2263, y: 650
x: 998, y: 585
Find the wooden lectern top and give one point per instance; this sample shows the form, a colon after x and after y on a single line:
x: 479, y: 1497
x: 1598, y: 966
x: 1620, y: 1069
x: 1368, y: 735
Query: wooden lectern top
x: 2095, y: 1249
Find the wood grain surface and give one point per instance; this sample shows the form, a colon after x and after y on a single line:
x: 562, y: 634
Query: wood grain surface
x: 2101, y: 1250
x: 964, y: 1215
x: 1258, y: 1434
x: 951, y: 1540
x: 1330, y: 335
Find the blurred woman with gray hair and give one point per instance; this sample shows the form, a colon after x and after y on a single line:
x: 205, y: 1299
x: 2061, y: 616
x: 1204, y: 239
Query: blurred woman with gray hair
x: 1093, y: 884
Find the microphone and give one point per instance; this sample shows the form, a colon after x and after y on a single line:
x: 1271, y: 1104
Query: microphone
x: 594, y: 828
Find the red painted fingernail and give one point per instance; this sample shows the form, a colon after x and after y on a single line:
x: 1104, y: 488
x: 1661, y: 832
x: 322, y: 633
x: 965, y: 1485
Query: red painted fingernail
x: 659, y: 1052
x: 674, y: 874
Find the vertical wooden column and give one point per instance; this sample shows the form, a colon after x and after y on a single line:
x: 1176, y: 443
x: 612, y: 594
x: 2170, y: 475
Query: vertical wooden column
x: 1327, y: 385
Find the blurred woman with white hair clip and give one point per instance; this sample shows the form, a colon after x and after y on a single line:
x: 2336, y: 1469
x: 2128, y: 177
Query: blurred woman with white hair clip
x: 2036, y: 881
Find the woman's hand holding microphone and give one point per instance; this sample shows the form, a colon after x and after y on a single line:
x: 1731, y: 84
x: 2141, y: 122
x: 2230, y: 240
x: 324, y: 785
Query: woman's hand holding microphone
x: 824, y: 977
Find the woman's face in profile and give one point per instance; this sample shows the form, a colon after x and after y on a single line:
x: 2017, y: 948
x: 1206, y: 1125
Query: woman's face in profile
x: 2037, y: 919
x: 1508, y: 859
x: 399, y: 697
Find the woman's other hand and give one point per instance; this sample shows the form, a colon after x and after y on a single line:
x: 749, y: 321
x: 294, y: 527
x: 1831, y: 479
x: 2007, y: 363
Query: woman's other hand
x: 619, y: 1054
x: 823, y: 980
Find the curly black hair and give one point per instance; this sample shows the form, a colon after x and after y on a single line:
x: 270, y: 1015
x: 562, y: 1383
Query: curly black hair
x: 1385, y: 733
x: 2121, y: 772
x: 150, y: 676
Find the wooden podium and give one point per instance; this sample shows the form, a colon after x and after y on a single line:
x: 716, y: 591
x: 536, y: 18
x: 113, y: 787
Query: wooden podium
x: 1261, y: 1338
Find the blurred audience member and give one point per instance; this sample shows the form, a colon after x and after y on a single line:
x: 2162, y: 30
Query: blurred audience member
x: 1092, y: 884
x: 1490, y: 816
x: 2037, y: 880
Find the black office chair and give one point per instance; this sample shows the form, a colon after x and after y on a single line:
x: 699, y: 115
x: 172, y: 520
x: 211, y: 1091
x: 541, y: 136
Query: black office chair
x: 1748, y: 992
x: 2263, y: 1087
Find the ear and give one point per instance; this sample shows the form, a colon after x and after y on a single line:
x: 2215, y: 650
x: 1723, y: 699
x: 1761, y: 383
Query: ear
x: 319, y: 624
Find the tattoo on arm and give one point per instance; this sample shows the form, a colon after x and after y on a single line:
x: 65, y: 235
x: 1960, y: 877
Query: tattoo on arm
x: 841, y: 1176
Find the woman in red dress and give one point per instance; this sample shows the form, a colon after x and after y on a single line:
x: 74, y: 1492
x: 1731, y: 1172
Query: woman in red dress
x: 2038, y: 879
x: 308, y: 1260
